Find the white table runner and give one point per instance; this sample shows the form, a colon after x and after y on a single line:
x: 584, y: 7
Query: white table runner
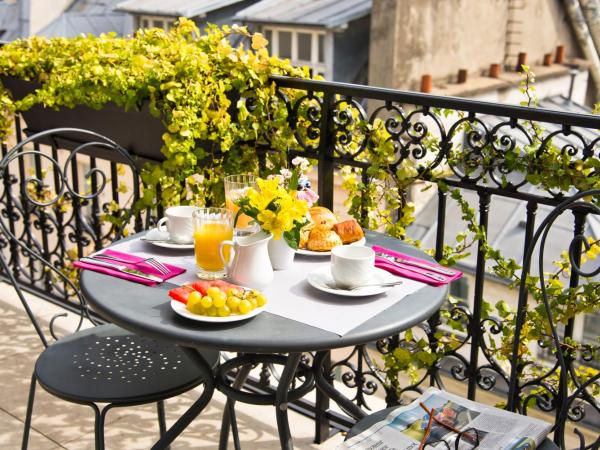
x: 290, y: 295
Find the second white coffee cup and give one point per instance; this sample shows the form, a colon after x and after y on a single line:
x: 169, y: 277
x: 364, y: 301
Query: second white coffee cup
x: 352, y: 265
x: 178, y: 223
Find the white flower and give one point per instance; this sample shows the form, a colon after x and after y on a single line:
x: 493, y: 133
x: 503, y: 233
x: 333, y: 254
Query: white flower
x: 286, y: 174
x: 301, y: 162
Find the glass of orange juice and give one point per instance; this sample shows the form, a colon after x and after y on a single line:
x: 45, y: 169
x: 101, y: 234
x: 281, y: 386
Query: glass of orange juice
x: 236, y: 187
x: 211, y: 227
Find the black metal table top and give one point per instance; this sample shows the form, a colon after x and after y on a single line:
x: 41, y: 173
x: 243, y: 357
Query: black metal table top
x: 146, y: 311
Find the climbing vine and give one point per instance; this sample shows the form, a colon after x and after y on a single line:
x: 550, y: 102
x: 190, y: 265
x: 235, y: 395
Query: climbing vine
x: 218, y: 107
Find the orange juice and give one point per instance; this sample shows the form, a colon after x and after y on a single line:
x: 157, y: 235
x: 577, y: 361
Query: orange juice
x: 243, y: 221
x: 207, y: 238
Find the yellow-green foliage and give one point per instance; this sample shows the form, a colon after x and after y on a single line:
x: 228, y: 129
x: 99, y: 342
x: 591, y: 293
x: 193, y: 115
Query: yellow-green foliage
x: 189, y: 81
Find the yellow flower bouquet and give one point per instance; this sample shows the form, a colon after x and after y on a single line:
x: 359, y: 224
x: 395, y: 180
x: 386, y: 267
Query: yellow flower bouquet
x: 275, y: 209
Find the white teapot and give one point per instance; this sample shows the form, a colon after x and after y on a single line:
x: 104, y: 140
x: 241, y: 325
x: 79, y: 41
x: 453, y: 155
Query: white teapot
x: 249, y: 265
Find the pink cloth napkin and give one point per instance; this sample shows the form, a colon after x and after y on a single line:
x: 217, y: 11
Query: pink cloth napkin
x: 142, y: 267
x: 403, y: 271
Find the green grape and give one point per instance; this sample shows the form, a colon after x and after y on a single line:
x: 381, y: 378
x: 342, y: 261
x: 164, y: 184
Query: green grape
x: 219, y: 300
x: 224, y: 311
x: 261, y: 300
x: 206, y: 301
x: 233, y: 302
x: 214, y: 292
x: 245, y: 307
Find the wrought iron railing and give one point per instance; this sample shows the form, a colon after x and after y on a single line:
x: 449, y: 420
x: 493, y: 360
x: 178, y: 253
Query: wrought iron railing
x: 330, y: 121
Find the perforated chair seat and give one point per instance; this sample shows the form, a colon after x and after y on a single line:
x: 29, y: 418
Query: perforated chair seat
x: 109, y: 364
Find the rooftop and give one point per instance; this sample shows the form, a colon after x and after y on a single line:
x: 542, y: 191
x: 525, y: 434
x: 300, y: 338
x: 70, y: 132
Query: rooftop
x: 324, y: 13
x: 89, y: 17
x: 9, y: 21
x: 175, y: 8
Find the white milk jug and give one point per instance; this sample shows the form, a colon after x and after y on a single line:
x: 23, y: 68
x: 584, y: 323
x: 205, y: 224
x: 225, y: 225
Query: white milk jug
x: 249, y: 264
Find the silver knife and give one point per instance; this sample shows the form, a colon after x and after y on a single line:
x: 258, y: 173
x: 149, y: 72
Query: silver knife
x: 122, y: 268
x: 433, y: 276
x: 409, y: 262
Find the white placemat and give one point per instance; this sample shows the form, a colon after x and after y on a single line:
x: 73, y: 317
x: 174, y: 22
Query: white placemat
x: 290, y: 295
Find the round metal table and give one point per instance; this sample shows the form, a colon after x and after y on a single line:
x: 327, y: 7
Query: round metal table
x: 146, y: 311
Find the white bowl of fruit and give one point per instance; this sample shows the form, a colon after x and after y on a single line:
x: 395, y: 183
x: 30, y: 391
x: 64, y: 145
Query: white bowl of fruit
x: 216, y: 301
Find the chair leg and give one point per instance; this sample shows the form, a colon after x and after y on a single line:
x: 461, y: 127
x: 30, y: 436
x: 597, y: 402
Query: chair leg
x: 29, y: 413
x: 162, y: 423
x: 99, y: 425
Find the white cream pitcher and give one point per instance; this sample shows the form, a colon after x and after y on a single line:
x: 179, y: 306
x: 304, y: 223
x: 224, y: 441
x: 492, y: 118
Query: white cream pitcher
x: 249, y: 265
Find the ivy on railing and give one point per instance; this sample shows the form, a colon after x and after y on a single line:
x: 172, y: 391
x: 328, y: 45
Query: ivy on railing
x: 541, y: 164
x: 189, y: 81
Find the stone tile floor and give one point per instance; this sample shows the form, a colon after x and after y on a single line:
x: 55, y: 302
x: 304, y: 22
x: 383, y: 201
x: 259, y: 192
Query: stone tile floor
x: 61, y: 425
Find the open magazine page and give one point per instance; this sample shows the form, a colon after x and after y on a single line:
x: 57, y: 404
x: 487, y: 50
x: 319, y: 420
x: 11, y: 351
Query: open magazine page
x: 405, y: 427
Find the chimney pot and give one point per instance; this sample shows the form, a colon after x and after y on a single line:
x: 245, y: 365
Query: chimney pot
x: 521, y: 61
x: 548, y: 59
x: 560, y: 54
x: 462, y: 76
x: 494, y: 70
x: 426, y: 83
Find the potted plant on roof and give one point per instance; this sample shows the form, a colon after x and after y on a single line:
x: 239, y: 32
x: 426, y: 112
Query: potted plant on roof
x: 180, y: 97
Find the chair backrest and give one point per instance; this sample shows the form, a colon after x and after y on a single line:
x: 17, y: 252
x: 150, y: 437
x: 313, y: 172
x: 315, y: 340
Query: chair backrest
x: 561, y: 387
x: 59, y: 204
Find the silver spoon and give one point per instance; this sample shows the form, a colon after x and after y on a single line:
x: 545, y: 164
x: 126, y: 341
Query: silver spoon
x: 354, y: 288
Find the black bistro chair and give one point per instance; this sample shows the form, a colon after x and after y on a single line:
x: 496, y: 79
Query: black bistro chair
x: 103, y: 364
x: 566, y: 400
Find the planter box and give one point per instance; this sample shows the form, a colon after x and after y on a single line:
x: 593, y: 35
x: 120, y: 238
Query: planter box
x: 137, y: 131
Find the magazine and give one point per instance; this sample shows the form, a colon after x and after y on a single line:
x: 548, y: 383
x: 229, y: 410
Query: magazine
x: 474, y: 424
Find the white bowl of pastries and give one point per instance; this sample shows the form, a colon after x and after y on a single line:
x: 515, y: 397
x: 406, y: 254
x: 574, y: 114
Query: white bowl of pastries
x: 325, y: 232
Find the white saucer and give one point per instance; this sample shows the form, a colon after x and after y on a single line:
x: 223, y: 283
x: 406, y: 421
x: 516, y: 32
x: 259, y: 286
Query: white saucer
x: 168, y: 244
x: 303, y: 251
x: 321, y: 279
x: 181, y: 309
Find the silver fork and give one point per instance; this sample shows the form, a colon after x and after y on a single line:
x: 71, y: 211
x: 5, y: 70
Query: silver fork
x: 153, y: 262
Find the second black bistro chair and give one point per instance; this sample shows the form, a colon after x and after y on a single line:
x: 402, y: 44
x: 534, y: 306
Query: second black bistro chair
x: 49, y: 206
x: 570, y: 396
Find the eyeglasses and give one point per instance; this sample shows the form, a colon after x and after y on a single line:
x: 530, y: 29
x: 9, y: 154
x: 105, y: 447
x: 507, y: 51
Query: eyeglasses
x: 467, y: 439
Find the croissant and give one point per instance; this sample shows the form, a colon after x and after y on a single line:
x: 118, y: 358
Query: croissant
x: 322, y: 217
x: 349, y: 231
x: 321, y: 240
x: 304, y: 234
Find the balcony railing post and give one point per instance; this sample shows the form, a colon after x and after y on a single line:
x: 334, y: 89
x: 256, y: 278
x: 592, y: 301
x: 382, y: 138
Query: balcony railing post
x: 475, y: 322
x: 563, y: 388
x: 326, y: 164
x: 513, y: 388
x: 434, y: 321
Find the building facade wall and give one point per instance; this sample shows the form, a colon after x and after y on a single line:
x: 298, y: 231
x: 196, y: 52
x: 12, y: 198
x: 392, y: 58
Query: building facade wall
x: 409, y: 39
x: 351, y: 51
x: 42, y: 12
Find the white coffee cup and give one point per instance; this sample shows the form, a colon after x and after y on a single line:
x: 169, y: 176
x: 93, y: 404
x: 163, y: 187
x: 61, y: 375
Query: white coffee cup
x: 352, y: 265
x: 179, y: 223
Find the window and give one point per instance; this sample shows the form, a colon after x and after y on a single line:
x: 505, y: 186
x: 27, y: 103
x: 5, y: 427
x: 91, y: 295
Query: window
x: 303, y: 47
x: 285, y: 44
x: 165, y: 23
x: 269, y: 37
x: 321, y: 48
